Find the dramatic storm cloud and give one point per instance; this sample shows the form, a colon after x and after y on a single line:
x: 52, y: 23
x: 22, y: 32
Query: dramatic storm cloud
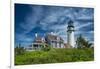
x: 42, y: 19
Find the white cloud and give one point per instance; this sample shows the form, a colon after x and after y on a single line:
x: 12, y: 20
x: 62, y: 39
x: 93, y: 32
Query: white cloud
x: 54, y: 15
x: 83, y: 25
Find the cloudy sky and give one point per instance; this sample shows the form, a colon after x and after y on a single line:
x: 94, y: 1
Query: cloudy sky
x: 41, y: 19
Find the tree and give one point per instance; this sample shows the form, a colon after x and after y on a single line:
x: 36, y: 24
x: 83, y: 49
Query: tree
x: 81, y: 42
x: 19, y: 50
x: 46, y: 47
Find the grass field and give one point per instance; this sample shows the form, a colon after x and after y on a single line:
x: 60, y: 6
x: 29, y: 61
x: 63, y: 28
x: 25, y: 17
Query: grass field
x: 55, y: 56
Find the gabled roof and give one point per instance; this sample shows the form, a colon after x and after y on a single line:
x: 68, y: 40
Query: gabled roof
x: 38, y: 40
x: 53, y: 37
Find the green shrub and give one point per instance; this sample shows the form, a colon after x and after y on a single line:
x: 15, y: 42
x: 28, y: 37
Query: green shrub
x: 46, y: 47
x: 19, y: 50
x: 55, y: 56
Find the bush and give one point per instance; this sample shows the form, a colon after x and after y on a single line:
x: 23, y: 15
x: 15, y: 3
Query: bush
x: 55, y: 56
x: 46, y: 47
x: 19, y: 50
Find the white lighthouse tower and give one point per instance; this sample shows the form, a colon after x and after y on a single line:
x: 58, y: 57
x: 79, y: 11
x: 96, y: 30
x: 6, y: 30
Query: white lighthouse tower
x: 70, y: 34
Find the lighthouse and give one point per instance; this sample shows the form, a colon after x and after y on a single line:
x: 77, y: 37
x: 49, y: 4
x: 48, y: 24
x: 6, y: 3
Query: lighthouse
x: 70, y: 34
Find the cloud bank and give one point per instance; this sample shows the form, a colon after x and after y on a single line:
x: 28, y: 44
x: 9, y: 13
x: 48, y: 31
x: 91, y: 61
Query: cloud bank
x: 43, y: 19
